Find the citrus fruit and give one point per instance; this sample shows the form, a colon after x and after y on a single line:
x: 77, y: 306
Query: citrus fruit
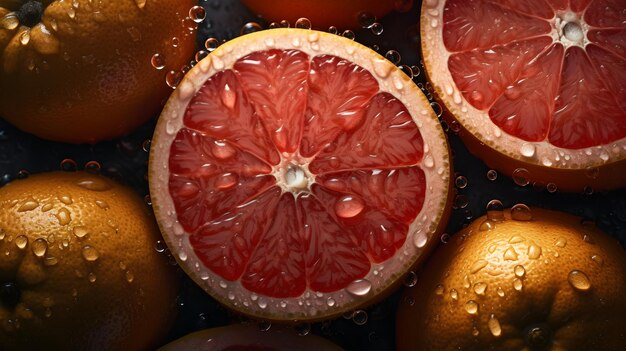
x: 78, y: 268
x: 535, y: 88
x: 249, y: 337
x: 80, y: 71
x: 324, y: 13
x: 297, y: 174
x: 522, y: 279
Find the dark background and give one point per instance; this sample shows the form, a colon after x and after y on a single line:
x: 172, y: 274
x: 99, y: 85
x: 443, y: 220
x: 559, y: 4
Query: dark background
x: 125, y: 159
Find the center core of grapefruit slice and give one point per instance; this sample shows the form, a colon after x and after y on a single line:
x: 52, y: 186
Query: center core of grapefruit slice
x: 297, y: 173
x: 570, y: 29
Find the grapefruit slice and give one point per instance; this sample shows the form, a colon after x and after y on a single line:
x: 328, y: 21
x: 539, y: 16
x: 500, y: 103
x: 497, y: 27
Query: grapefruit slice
x: 244, y: 337
x: 297, y: 174
x: 538, y: 88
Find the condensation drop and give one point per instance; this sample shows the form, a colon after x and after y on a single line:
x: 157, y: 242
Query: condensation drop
x: 359, y: 317
x: 494, y: 325
x: 521, y: 212
x: 579, y: 280
x: 471, y: 307
x: 39, y: 247
x: 495, y: 210
x: 90, y: 254
x: 519, y: 271
x: 360, y: 287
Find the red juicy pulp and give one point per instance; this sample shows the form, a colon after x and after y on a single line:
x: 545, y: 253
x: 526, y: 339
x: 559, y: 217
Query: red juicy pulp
x: 364, y: 150
x: 505, y: 62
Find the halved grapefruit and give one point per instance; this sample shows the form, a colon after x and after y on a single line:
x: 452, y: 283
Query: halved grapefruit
x: 245, y: 337
x: 297, y: 174
x: 537, y: 87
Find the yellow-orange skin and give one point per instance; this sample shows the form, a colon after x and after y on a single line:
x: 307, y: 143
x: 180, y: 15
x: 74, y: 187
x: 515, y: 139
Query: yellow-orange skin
x: 91, y: 79
x: 431, y: 319
x: 123, y: 300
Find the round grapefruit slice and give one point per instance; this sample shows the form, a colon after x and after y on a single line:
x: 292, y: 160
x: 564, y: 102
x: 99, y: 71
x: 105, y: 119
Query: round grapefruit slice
x: 538, y: 88
x: 297, y: 174
x: 243, y: 337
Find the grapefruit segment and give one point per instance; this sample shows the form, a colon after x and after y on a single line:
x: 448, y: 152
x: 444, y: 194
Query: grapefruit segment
x: 339, y: 91
x: 222, y: 110
x: 226, y: 243
x: 387, y: 137
x: 289, y: 165
x: 280, y: 106
x: 536, y: 86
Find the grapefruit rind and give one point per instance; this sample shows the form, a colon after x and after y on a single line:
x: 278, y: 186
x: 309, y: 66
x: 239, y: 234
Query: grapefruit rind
x: 310, y: 305
x: 600, y: 167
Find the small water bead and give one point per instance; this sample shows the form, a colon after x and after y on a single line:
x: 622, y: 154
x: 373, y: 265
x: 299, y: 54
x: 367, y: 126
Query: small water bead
x: 377, y: 28
x: 406, y: 70
x: 200, y: 55
x: 140, y: 3
x: 460, y: 182
x: 445, y: 237
x: 411, y: 279
x: 597, y: 259
x: 492, y: 175
x: 28, y: 205
x: 211, y: 44
x: 90, y: 254
x: 284, y: 24
x: 93, y: 167
x: 348, y: 34
x: 80, y: 231
x: 528, y: 150
x: 39, y: 247
x: 366, y: 20
x: 495, y: 210
x: 50, y: 261
x: 359, y: 287
x: 10, y: 21
x: 173, y: 78
x: 454, y: 295
x: 588, y: 190
x: 359, y: 317
x: 519, y: 271
x: 250, y: 27
x: 69, y: 165
x: 579, y: 280
x: 534, y: 251
x: 471, y: 307
x: 349, y: 206
x: 333, y: 30
x: 478, y: 265
x: 560, y: 242
x: 21, y: 241
x: 22, y: 174
x: 91, y: 277
x: 480, y: 288
x: 393, y: 56
x: 520, y: 176
x: 517, y: 284
x: 521, y: 212
x: 197, y: 14
x: 437, y: 108
x: 551, y: 187
x: 500, y: 292
x: 303, y: 23
x: 494, y: 325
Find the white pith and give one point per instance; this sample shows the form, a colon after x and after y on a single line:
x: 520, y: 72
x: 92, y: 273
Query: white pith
x: 478, y: 122
x: 292, y: 174
x: 310, y: 305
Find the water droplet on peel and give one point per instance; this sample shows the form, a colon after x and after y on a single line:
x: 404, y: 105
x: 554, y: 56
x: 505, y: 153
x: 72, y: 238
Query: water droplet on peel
x: 349, y: 206
x: 39, y: 247
x: 519, y: 271
x: 173, y: 78
x: 479, y: 288
x: 197, y: 14
x: 510, y: 254
x: 517, y: 284
x: 360, y: 287
x: 330, y: 302
x: 21, y: 241
x: 454, y: 295
x: 382, y: 68
x: 528, y: 150
x: 63, y: 216
x: 250, y: 27
x: 29, y: 205
x: 487, y: 225
x: 494, y: 325
x: 91, y: 277
x: 140, y: 3
x: 500, y: 292
x: 211, y: 44
x: 410, y: 280
x: 94, y: 184
x: 560, y: 242
x: 90, y: 254
x: 521, y: 212
x: 579, y: 280
x: 534, y: 251
x: 597, y: 259
x: 478, y: 265
x: 303, y: 23
x: 471, y: 307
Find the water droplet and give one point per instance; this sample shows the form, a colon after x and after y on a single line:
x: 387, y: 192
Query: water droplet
x: 597, y: 259
x: 477, y: 266
x: 359, y: 317
x: 393, y: 56
x: 454, y: 295
x: 158, y: 61
x: 479, y: 288
x: 229, y: 97
x: 330, y: 302
x: 519, y: 271
x: 9, y: 21
x: 551, y: 187
x: 349, y: 206
x: 410, y: 280
x: 140, y: 3
x: 495, y: 210
x: 579, y: 280
x: 348, y: 34
x: 173, y: 78
x: 494, y: 325
x: 21, y: 241
x: 560, y: 242
x: 90, y: 254
x: 487, y: 225
x: 94, y: 184
x: 102, y: 204
x: 492, y: 175
x: 303, y: 23
x: 520, y: 176
x: 39, y: 247
x: 211, y: 44
x: 521, y: 212
x: 534, y: 251
x: 460, y: 182
x: 510, y: 254
x: 197, y: 14
x: 303, y: 329
x: 29, y: 205
x: 50, y: 261
x: 360, y: 287
x: 63, y: 216
x: 69, y: 165
x: 471, y: 307
x: 91, y: 277
x: 528, y: 150
x: 517, y: 284
x: 25, y: 37
x: 250, y: 27
x: 160, y: 246
x: 500, y: 292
